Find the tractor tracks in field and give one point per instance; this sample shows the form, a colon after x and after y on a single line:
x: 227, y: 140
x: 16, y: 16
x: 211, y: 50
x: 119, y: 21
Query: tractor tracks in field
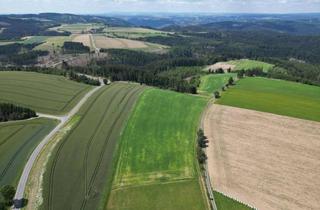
x: 118, y: 117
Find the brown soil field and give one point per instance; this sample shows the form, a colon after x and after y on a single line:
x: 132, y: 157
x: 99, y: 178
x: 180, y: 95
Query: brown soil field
x: 84, y: 39
x: 262, y: 159
x: 220, y: 65
x: 108, y: 43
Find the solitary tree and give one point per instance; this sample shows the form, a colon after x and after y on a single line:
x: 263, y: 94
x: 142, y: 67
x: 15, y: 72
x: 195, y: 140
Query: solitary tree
x: 231, y: 81
x: 216, y: 94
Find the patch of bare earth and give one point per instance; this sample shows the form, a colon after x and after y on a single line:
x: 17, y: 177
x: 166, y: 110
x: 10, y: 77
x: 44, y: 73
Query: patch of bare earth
x: 220, y: 65
x: 117, y: 43
x: 265, y: 160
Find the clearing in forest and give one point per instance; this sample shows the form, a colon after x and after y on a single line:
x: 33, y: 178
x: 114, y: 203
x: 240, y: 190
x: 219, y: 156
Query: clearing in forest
x: 157, y: 166
x: 43, y: 93
x: 214, y: 82
x: 275, y: 96
x: 268, y: 161
x: 80, y: 170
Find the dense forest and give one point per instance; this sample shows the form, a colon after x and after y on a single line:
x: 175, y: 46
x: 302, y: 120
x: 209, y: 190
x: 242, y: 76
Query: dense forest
x: 10, y: 112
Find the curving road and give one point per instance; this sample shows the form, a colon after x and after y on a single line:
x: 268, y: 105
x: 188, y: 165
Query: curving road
x: 18, y: 198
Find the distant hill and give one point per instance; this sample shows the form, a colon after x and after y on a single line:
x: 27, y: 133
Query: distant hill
x: 18, y: 26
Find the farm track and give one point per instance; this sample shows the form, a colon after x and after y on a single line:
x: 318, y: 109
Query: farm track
x: 55, y: 160
x: 122, y: 104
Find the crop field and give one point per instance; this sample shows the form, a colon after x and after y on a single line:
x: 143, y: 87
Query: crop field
x: 53, y: 43
x: 17, y: 141
x: 265, y: 160
x: 77, y: 28
x: 81, y: 167
x: 275, y: 96
x: 85, y: 39
x: 44, y: 93
x: 214, y: 82
x: 157, y: 165
x: 247, y: 64
x: 133, y: 32
x: 102, y: 41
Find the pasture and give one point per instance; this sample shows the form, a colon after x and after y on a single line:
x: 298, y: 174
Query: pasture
x: 78, y: 28
x: 53, y: 43
x: 43, y: 93
x: 275, y: 96
x: 246, y: 64
x: 17, y: 141
x: 133, y: 32
x: 265, y: 160
x: 157, y: 162
x: 80, y: 170
x: 214, y: 82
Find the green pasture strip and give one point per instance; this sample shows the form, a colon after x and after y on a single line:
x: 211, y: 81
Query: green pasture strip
x: 246, y: 64
x: 225, y: 203
x: 214, y: 82
x: 170, y: 196
x: 157, y: 148
x: 17, y: 141
x: 80, y: 171
x: 44, y: 93
x: 275, y: 96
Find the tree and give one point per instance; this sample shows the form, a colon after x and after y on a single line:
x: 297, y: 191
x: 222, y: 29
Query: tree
x: 2, y: 206
x: 8, y: 193
x: 231, y: 81
x: 216, y: 94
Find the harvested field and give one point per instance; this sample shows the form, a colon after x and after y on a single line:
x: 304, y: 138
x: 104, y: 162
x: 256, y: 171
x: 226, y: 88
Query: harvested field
x: 109, y: 43
x: 85, y: 39
x: 220, y: 65
x: 17, y: 141
x: 80, y: 170
x: 42, y: 92
x: 265, y: 160
x: 157, y: 164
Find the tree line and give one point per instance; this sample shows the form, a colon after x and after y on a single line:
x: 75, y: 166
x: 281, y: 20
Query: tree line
x: 10, y: 112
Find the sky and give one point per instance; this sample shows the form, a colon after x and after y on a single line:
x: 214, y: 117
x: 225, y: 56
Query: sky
x: 150, y: 6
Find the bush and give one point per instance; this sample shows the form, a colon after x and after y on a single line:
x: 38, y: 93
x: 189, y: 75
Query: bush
x: 8, y: 193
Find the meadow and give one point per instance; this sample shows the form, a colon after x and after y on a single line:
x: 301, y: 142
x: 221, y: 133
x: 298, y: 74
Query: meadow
x: 133, y: 32
x: 214, y: 82
x: 275, y: 96
x: 247, y: 64
x: 157, y: 166
x: 80, y: 170
x: 43, y: 93
x: 52, y: 43
x: 225, y: 203
x: 78, y: 28
x: 17, y: 141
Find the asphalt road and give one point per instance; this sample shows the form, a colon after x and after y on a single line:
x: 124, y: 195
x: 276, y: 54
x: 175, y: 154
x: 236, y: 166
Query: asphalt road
x: 18, y: 198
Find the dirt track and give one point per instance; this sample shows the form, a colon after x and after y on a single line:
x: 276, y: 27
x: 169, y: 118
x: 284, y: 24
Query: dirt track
x: 265, y: 160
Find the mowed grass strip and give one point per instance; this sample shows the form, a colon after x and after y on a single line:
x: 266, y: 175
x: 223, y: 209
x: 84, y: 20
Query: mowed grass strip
x: 275, y: 96
x: 44, y: 93
x: 80, y: 171
x: 17, y: 141
x: 214, y: 82
x: 225, y: 203
x: 247, y: 64
x: 157, y: 160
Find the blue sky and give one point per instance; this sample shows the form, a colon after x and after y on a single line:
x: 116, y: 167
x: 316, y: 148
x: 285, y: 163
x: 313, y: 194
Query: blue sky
x: 109, y: 6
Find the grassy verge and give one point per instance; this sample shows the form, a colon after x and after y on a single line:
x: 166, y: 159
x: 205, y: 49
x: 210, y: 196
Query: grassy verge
x: 225, y: 203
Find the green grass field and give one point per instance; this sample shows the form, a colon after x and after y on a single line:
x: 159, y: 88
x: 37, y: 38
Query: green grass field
x: 17, y: 141
x: 53, y: 43
x: 247, y: 64
x: 275, y: 96
x: 80, y: 170
x: 133, y: 32
x: 157, y: 166
x: 214, y: 82
x: 78, y: 27
x: 44, y: 93
x: 225, y: 203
